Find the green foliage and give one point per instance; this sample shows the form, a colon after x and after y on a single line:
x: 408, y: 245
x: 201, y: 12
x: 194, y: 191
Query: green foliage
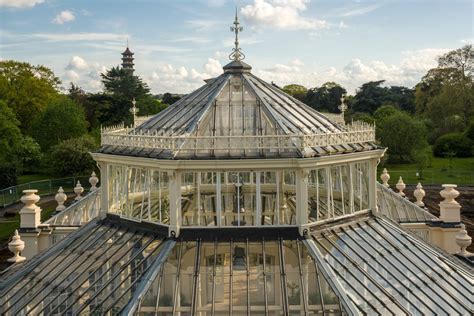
x: 71, y: 157
x: 26, y: 89
x: 169, y: 98
x: 453, y: 144
x: 122, y: 87
x: 296, y: 91
x: 445, y: 94
x: 326, y: 98
x: 62, y: 119
x: 385, y: 111
x: 403, y: 135
x: 28, y: 153
x: 364, y: 117
x: 372, y: 95
x: 149, y: 106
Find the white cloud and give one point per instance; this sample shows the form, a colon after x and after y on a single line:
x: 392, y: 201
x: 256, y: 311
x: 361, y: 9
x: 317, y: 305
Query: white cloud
x: 412, y: 66
x: 200, y: 25
x: 84, y: 74
x: 282, y: 14
x: 63, y: 17
x: 19, y: 4
x: 213, y: 67
x: 77, y: 62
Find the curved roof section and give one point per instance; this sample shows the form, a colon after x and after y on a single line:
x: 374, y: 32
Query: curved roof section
x: 237, y: 115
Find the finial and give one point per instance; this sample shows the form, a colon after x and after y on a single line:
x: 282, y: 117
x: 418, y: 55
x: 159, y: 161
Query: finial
x: 236, y: 54
x: 127, y: 41
x: 134, y: 111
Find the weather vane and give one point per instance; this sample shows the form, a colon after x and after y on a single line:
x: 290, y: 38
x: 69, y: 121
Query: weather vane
x: 236, y: 51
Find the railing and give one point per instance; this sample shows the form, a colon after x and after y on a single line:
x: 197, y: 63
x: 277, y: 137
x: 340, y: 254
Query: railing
x: 13, y: 194
x: 400, y: 209
x: 125, y: 136
x: 79, y: 212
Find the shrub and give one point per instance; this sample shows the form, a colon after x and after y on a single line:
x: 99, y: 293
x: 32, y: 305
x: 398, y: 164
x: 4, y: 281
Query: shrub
x: 454, y: 143
x: 8, y: 175
x: 71, y: 157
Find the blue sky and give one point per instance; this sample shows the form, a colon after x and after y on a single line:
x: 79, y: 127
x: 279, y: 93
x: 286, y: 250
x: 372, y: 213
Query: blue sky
x: 179, y: 43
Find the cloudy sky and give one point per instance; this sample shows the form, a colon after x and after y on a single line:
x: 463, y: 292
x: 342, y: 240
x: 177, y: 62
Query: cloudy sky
x: 179, y: 43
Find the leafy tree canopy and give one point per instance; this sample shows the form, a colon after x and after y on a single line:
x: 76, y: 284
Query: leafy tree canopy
x: 71, y: 157
x: 62, y: 119
x: 123, y: 87
x: 403, y: 135
x: 26, y: 89
x: 326, y: 98
x: 296, y: 91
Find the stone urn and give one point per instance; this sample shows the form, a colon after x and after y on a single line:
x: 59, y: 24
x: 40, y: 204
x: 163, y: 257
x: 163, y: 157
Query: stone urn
x: 463, y: 240
x: 419, y: 194
x: 401, y: 186
x: 78, y: 189
x: 60, y: 197
x: 93, y: 180
x: 385, y: 177
x: 30, y: 198
x: 16, y: 245
x: 449, y: 193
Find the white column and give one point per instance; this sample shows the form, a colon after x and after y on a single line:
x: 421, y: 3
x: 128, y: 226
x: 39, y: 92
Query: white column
x: 175, y: 202
x: 302, y: 200
x: 218, y: 200
x: 258, y: 198
x: 104, y: 189
x: 373, y: 184
x: 30, y: 219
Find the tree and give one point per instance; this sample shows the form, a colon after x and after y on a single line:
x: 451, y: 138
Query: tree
x: 28, y: 153
x: 296, y: 91
x: 26, y: 89
x: 385, y: 111
x: 403, y: 135
x: 71, y: 157
x: 61, y: 120
x: 169, y: 98
x: 123, y: 87
x: 326, y: 98
x: 369, y: 97
x: 448, y: 89
x: 9, y: 140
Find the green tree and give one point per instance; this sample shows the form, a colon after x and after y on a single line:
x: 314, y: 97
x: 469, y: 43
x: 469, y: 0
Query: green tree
x: 123, y: 87
x: 169, y: 98
x: 9, y: 140
x: 26, y: 89
x: 403, y: 135
x: 61, y: 120
x: 326, y: 98
x: 72, y: 157
x: 296, y: 91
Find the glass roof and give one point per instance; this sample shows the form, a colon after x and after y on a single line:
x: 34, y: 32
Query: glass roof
x: 366, y: 265
x: 237, y: 115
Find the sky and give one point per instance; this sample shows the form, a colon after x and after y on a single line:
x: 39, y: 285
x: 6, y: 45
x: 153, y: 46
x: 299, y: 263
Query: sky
x: 179, y: 43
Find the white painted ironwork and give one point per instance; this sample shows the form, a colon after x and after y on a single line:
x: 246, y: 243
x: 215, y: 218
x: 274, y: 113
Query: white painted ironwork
x: 130, y: 137
x: 78, y: 213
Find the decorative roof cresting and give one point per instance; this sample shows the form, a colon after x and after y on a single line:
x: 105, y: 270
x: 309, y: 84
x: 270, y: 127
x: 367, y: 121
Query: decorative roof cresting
x: 236, y: 54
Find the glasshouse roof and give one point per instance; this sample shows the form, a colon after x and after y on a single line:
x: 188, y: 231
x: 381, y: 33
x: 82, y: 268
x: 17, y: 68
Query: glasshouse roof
x: 364, y: 264
x: 238, y: 115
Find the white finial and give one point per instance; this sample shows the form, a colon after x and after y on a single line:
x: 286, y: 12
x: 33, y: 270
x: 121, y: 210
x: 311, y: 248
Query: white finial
x: 236, y: 51
x: 78, y: 190
x: 385, y: 177
x: 401, y: 186
x: 60, y: 197
x: 93, y: 180
x: 419, y: 194
x: 134, y: 110
x: 16, y: 245
x: 463, y: 240
x: 343, y: 106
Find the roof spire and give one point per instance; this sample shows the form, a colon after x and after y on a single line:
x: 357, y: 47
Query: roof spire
x: 236, y: 54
